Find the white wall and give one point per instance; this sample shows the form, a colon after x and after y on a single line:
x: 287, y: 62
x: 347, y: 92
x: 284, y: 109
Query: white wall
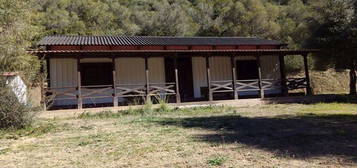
x: 221, y: 70
x: 18, y: 87
x: 63, y: 73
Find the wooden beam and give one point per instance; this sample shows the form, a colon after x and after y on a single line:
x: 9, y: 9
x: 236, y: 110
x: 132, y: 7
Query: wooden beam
x: 260, y: 83
x: 307, y: 76
x: 234, y: 78
x: 115, y: 95
x: 284, y: 89
x: 147, y: 86
x: 178, y: 98
x: 79, y: 96
x: 210, y: 93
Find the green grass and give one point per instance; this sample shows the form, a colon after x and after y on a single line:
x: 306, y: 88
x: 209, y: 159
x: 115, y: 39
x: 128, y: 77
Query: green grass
x: 216, y: 161
x: 291, y: 135
x: 147, y: 110
x: 33, y: 130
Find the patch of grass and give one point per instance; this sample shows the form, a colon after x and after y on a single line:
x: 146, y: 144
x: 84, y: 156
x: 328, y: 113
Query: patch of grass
x: 328, y: 107
x: 148, y: 110
x: 101, y: 115
x: 4, y: 151
x: 216, y: 161
x: 32, y: 130
x: 83, y: 143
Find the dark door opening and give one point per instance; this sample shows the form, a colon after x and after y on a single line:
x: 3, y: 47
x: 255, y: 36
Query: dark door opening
x: 247, y: 69
x: 96, y: 74
x: 184, y: 66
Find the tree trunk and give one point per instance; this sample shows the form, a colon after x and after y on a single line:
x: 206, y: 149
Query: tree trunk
x: 353, y: 79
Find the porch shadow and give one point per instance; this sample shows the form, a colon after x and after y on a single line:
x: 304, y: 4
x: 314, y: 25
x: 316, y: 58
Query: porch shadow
x: 286, y: 136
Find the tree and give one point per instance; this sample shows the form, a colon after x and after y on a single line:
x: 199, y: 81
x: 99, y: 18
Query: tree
x: 16, y: 34
x: 334, y: 31
x: 164, y: 18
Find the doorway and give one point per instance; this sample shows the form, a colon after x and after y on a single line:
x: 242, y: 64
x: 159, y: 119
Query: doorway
x: 184, y: 66
x: 247, y: 69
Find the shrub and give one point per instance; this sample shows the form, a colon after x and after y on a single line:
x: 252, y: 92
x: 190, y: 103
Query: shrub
x: 13, y: 114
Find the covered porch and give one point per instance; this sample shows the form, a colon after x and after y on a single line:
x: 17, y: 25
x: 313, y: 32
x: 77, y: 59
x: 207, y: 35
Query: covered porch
x: 234, y: 86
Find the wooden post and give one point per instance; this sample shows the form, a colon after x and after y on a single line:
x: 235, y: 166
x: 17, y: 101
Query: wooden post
x: 178, y: 98
x: 307, y: 76
x: 210, y: 94
x: 44, y: 71
x: 284, y: 89
x: 260, y: 83
x: 79, y: 96
x: 148, y: 99
x: 234, y: 78
x: 115, y: 97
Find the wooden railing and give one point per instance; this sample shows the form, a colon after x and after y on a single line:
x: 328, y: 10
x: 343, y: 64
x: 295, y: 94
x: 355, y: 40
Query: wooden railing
x: 222, y: 86
x: 244, y: 85
x: 107, y: 91
x: 130, y: 90
x: 248, y: 85
x: 59, y: 93
x: 162, y: 88
x: 271, y: 84
x: 296, y: 83
x: 96, y: 91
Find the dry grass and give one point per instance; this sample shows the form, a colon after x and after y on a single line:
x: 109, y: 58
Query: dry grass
x: 320, y: 135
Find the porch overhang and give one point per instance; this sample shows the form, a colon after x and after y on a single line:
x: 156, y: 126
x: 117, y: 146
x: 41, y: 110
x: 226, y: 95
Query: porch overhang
x: 166, y: 53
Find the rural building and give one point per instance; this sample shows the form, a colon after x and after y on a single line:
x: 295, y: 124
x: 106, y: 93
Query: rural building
x: 119, y: 70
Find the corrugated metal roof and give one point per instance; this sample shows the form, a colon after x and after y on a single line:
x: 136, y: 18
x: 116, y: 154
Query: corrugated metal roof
x: 237, y: 52
x: 152, y: 40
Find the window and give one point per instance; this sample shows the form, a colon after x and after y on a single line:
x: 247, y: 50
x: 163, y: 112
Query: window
x: 247, y: 69
x: 96, y: 74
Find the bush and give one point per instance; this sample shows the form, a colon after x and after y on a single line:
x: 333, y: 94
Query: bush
x: 13, y: 114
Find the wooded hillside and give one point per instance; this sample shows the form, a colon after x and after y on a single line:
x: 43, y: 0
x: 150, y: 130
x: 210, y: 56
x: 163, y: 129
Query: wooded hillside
x: 326, y: 24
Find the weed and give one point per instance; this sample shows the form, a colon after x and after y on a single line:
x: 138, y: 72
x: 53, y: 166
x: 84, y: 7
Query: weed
x: 216, y: 161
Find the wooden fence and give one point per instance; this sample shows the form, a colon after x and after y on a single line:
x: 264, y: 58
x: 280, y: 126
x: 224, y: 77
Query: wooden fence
x: 107, y: 91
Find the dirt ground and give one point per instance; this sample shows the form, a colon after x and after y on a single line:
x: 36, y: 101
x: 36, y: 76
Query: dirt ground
x: 290, y: 135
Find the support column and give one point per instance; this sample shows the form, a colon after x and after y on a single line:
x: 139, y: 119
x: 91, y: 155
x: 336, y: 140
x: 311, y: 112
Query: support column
x: 178, y: 98
x: 307, y: 76
x: 79, y: 96
x: 44, y: 71
x: 284, y: 89
x: 115, y: 96
x: 234, y: 78
x: 260, y: 83
x: 148, y: 99
x: 210, y: 94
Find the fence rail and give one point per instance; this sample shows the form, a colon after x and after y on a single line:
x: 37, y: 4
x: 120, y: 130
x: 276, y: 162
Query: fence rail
x: 222, y: 86
x: 107, y: 91
x: 296, y: 83
x: 248, y: 85
x: 244, y: 85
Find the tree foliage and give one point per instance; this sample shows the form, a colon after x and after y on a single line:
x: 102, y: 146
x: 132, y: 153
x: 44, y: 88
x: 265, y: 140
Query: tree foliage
x: 334, y: 30
x: 16, y: 32
x: 329, y: 24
